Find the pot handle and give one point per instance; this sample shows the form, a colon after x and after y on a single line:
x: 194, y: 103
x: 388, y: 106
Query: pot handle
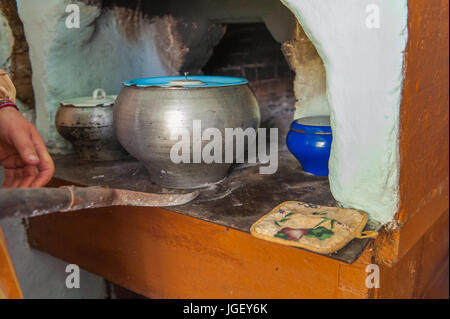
x: 98, y: 94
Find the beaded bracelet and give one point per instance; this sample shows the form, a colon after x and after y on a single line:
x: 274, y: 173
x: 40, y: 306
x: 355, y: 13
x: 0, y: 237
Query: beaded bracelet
x: 7, y: 103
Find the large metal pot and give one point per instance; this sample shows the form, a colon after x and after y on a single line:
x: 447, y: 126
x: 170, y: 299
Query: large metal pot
x: 88, y: 124
x: 150, y: 113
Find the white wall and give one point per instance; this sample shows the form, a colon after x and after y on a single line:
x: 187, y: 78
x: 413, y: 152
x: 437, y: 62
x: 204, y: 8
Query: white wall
x: 364, y: 83
x: 70, y: 63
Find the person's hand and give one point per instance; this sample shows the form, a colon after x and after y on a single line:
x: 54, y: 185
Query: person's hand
x: 23, y: 153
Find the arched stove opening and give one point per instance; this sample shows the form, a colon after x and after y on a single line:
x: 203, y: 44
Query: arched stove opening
x: 343, y: 67
x: 248, y: 50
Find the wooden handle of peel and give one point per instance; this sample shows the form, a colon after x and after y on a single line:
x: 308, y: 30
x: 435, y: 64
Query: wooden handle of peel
x: 38, y: 201
x: 31, y: 202
x: 27, y: 202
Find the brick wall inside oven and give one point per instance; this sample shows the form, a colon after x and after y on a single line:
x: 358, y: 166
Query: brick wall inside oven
x: 249, y: 51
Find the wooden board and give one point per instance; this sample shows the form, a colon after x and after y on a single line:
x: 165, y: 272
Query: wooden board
x: 162, y: 254
x: 424, y: 133
x: 9, y: 285
x: 237, y: 202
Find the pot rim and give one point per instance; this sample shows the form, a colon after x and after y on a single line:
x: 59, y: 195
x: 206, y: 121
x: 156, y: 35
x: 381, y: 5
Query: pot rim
x: 318, y: 125
x: 208, y: 81
x: 99, y: 98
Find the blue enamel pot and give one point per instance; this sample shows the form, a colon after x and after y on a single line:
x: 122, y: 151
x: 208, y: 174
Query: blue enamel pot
x: 309, y: 140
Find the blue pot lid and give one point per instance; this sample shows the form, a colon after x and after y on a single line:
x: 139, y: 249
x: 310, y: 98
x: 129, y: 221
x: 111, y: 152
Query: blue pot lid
x: 313, y: 124
x: 187, y: 81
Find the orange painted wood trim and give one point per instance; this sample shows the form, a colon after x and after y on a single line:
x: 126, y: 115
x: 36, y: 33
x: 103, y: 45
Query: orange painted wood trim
x: 434, y: 259
x: 420, y: 273
x: 439, y: 287
x: 391, y: 246
x: 400, y: 280
x: 424, y: 132
x: 162, y: 254
x: 9, y: 285
x: 424, y: 113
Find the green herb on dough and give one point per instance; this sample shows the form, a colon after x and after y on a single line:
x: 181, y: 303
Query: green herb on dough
x: 320, y: 233
x: 317, y: 213
x: 281, y: 235
x: 289, y: 214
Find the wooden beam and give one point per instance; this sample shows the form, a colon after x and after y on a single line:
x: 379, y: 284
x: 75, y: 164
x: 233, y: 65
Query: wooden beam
x: 424, y: 113
x: 162, y: 254
x: 9, y: 285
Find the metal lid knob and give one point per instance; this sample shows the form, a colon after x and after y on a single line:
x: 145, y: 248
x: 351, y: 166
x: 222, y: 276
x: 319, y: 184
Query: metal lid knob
x: 185, y: 81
